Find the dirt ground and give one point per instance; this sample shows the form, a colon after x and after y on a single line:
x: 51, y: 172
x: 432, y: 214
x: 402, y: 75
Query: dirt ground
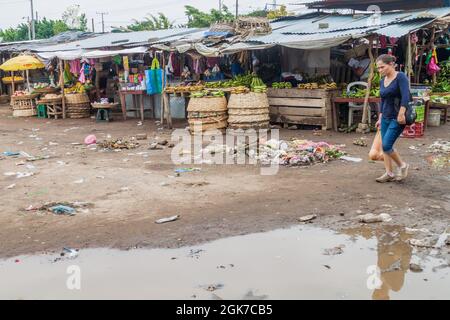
x: 129, y: 191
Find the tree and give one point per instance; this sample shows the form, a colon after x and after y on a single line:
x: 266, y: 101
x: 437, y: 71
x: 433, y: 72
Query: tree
x: 44, y: 29
x: 200, y: 19
x: 282, y: 12
x: 74, y: 19
x: 257, y: 13
x: 149, y: 23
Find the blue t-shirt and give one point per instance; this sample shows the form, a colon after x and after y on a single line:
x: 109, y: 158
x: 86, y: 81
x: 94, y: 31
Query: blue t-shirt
x: 397, y: 90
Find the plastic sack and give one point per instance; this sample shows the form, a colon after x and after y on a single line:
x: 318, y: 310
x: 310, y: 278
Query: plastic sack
x: 376, y: 152
x: 154, y: 78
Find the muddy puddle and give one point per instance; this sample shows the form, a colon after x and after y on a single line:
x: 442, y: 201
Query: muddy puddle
x: 301, y: 262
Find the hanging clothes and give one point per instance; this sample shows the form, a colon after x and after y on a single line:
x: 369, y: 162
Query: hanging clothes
x: 383, y: 42
x: 75, y: 67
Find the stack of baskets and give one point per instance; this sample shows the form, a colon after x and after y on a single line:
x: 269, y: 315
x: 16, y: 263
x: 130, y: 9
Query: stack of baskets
x: 24, y: 106
x: 78, y: 106
x: 248, y: 111
x: 209, y: 112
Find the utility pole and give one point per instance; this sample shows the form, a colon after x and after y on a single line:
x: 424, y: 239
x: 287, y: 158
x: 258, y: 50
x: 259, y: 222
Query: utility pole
x: 220, y: 5
x: 93, y: 26
x: 103, y: 20
x: 274, y: 5
x: 33, y: 30
x: 37, y: 17
x: 237, y: 8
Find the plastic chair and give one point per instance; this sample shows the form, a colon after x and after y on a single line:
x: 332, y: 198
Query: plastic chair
x: 352, y: 107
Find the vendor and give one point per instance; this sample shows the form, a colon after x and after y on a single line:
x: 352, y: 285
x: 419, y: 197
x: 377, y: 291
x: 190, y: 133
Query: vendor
x: 361, y: 67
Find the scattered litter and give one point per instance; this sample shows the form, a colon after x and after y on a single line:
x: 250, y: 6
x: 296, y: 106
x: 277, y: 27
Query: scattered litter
x: 362, y: 142
x: 423, y: 243
x: 11, y: 154
x: 334, y: 251
x: 118, y: 144
x: 76, y: 143
x: 351, y: 159
x: 19, y: 175
x: 9, y: 174
x: 30, y: 167
x: 125, y: 189
x: 327, y: 266
x: 412, y: 230
x: 70, y: 129
x: 297, y: 152
x: 155, y: 146
x: 433, y: 206
x: 413, y: 148
x: 216, y: 149
x: 20, y: 143
x: 11, y: 186
x: 141, y: 136
x: 61, y: 163
x: 80, y: 181
x: 372, y: 218
x: 308, y: 218
x: 63, y: 210
x: 184, y: 170
x: 440, y: 147
x: 53, y: 143
x: 317, y: 133
x: 20, y: 163
x: 415, y: 268
x: 165, y: 220
x: 196, y: 184
x: 32, y: 159
x: 70, y: 253
x: 293, y: 127
x: 90, y: 139
x: 163, y: 184
x: 213, y: 287
x: 139, y: 123
x: 100, y: 177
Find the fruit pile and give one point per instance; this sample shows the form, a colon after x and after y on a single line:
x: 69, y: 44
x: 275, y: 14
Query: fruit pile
x: 185, y: 88
x: 206, y: 93
x: 79, y: 88
x: 237, y: 81
x: 240, y: 90
x: 316, y: 85
x: 282, y: 85
x: 258, y: 85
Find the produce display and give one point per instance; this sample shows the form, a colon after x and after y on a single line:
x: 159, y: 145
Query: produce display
x: 361, y: 93
x: 237, y: 81
x: 282, y: 85
x: 443, y: 80
x: 316, y: 85
x: 240, y: 90
x: 185, y: 88
x: 79, y: 88
x: 42, y: 85
x: 16, y: 79
x: 441, y: 99
x: 206, y: 93
x: 258, y: 86
x: 20, y: 93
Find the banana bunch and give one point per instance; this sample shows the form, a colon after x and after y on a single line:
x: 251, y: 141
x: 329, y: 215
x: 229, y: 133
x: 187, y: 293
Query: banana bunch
x: 282, y: 85
x: 328, y: 86
x: 218, y: 93
x: 240, y: 90
x: 199, y: 94
x: 205, y: 93
x: 315, y: 85
x: 78, y: 88
x: 258, y: 85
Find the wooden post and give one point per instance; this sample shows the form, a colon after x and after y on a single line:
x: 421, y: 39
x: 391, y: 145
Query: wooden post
x: 369, y: 86
x: 61, y: 82
x: 431, y: 46
x: 409, y: 60
x: 13, y: 87
x: 421, y: 52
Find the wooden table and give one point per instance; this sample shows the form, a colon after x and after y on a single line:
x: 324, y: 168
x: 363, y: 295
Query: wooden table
x: 137, y: 95
x: 441, y: 106
x: 338, y: 100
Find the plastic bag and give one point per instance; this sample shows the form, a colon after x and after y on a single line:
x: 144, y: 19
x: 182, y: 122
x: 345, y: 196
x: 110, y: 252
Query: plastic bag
x: 376, y: 152
x: 154, y: 78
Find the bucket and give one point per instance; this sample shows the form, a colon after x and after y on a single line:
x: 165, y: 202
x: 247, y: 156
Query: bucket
x: 434, y: 118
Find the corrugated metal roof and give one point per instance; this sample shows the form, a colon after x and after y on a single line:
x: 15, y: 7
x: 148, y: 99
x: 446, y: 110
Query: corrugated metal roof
x: 118, y: 39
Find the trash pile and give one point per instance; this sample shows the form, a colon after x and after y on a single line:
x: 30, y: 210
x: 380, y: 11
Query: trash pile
x: 118, y: 144
x: 62, y: 208
x: 297, y: 152
x: 441, y: 154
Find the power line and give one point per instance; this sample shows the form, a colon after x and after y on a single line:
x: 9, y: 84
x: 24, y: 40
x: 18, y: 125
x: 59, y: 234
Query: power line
x: 103, y: 20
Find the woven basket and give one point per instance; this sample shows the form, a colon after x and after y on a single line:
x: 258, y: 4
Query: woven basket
x: 25, y: 97
x: 248, y: 118
x: 247, y: 112
x: 216, y: 119
x: 206, y: 114
x: 96, y: 105
x: 210, y: 126
x: 207, y: 104
x: 250, y: 100
x: 24, y: 113
x: 22, y: 104
x: 77, y: 98
x: 50, y: 100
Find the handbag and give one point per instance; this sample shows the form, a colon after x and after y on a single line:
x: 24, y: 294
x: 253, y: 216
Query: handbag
x: 410, y: 113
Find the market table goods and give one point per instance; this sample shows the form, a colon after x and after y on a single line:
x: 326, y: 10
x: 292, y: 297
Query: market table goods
x: 248, y: 111
x: 208, y: 113
x: 24, y: 105
x: 78, y: 105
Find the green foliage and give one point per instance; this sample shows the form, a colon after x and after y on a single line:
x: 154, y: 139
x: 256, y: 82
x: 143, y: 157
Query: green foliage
x: 150, y: 23
x: 282, y: 12
x: 200, y: 19
x: 44, y: 29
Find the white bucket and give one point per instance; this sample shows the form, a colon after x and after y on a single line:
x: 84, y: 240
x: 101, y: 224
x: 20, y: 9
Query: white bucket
x: 434, y: 118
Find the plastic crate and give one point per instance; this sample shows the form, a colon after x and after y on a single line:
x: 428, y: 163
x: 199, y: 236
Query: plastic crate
x: 414, y: 131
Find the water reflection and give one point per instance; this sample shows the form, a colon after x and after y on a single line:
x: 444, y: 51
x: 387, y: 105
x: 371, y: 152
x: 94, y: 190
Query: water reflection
x: 393, y: 256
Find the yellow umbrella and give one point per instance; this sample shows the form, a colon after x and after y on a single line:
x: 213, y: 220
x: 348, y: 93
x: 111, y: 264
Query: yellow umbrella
x: 21, y: 63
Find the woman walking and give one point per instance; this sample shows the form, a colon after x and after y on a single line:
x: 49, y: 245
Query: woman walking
x: 395, y: 97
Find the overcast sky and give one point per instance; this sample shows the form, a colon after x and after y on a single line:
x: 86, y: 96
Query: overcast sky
x: 120, y: 12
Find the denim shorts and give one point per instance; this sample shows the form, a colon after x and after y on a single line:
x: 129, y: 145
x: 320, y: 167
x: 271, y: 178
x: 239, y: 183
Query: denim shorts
x: 390, y: 131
